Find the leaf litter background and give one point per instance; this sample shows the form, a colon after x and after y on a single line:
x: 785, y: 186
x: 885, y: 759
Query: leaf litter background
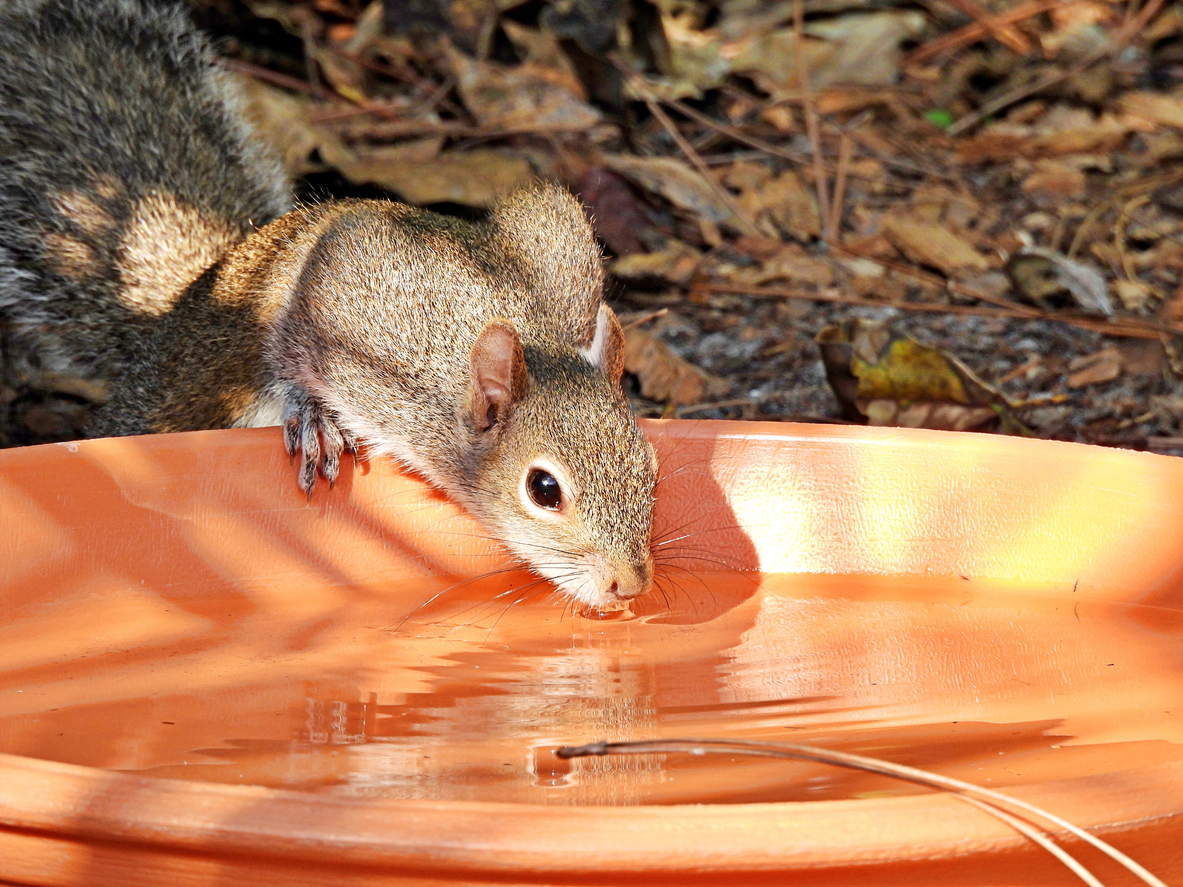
x: 961, y: 214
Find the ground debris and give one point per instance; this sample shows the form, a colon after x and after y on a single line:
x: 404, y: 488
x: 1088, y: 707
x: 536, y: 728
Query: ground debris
x: 1006, y: 192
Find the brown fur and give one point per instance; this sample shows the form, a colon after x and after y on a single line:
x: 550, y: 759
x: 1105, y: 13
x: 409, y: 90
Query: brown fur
x: 143, y: 239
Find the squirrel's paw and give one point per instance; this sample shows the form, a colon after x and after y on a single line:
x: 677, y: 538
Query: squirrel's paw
x: 313, y: 431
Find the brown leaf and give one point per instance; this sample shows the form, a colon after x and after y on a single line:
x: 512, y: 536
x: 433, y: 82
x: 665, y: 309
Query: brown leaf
x: 470, y: 178
x: 932, y: 244
x: 1042, y: 275
x: 529, y: 97
x: 1102, y: 366
x: 1134, y: 295
x: 850, y: 49
x: 676, y: 264
x: 615, y: 214
x: 664, y: 376
x: 784, y: 204
x: 794, y: 265
x: 1057, y: 180
x: 892, y: 379
x: 544, y: 54
x: 282, y: 121
x: 1160, y: 109
x: 677, y: 183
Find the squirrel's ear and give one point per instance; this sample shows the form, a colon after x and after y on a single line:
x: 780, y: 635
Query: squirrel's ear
x: 606, y: 351
x: 544, y: 230
x: 498, y: 373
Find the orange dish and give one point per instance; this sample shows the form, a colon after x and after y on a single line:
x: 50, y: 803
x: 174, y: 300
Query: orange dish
x: 207, y: 679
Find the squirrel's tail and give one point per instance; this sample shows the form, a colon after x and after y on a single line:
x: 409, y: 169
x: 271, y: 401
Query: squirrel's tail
x: 126, y: 170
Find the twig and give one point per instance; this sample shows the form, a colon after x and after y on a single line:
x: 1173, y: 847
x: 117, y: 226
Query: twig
x: 935, y: 281
x: 810, y: 111
x: 1003, y: 32
x: 976, y: 31
x: 1128, y: 329
x: 1124, y: 36
x: 787, y: 153
x: 743, y: 221
x: 845, y: 152
x: 644, y: 318
x: 266, y: 74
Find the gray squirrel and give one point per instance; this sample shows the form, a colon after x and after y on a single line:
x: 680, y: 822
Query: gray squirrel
x: 147, y: 240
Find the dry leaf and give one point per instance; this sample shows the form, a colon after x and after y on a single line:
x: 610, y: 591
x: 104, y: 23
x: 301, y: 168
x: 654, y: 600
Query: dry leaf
x: 796, y: 266
x: 1043, y: 275
x: 664, y: 376
x: 677, y: 264
x: 849, y: 49
x: 1157, y: 108
x: 470, y: 178
x: 694, y: 61
x: 1134, y: 295
x: 932, y: 245
x: 865, y: 49
x: 783, y: 205
x: 1055, y: 179
x: 529, y: 97
x: 892, y: 379
x: 1103, y: 366
x: 282, y: 121
x: 542, y: 51
x: 677, y: 183
x: 616, y: 214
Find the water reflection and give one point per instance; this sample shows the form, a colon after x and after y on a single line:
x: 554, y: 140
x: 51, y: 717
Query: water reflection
x: 466, y: 700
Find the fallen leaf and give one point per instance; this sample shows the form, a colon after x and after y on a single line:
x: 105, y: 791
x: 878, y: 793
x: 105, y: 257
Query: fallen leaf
x: 542, y: 51
x: 282, y: 121
x: 677, y: 183
x: 1042, y: 276
x: 783, y: 205
x: 664, y: 376
x: 470, y: 178
x: 865, y: 49
x: 892, y: 379
x: 796, y: 266
x: 1157, y: 108
x: 1134, y: 295
x: 854, y: 48
x: 1056, y: 180
x: 1103, y: 366
x: 932, y: 244
x: 675, y: 264
x: 694, y: 61
x: 618, y: 218
x: 529, y: 97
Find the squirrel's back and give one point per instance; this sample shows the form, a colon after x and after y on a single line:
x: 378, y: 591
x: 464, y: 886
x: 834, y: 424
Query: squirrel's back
x: 125, y: 171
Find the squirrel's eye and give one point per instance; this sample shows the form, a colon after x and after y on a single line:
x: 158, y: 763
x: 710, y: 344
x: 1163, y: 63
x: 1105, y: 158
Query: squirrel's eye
x: 544, y: 490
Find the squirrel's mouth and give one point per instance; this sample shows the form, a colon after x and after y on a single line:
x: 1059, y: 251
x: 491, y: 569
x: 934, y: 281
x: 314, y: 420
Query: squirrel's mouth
x: 598, y: 582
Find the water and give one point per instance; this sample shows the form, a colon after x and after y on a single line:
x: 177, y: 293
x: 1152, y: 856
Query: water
x: 467, y: 696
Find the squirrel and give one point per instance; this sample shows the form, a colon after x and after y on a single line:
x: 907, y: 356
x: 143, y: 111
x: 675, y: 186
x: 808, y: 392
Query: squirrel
x: 148, y: 240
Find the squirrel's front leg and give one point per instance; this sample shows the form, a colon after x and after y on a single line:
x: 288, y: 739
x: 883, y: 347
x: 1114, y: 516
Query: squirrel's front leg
x: 314, y: 431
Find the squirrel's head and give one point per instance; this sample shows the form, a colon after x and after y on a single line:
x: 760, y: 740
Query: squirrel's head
x: 565, y: 476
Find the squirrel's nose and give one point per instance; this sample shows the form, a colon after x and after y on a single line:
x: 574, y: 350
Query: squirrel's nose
x: 632, y: 583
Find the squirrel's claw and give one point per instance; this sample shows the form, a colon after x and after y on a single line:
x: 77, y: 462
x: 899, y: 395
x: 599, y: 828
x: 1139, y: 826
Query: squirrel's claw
x: 314, y: 432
